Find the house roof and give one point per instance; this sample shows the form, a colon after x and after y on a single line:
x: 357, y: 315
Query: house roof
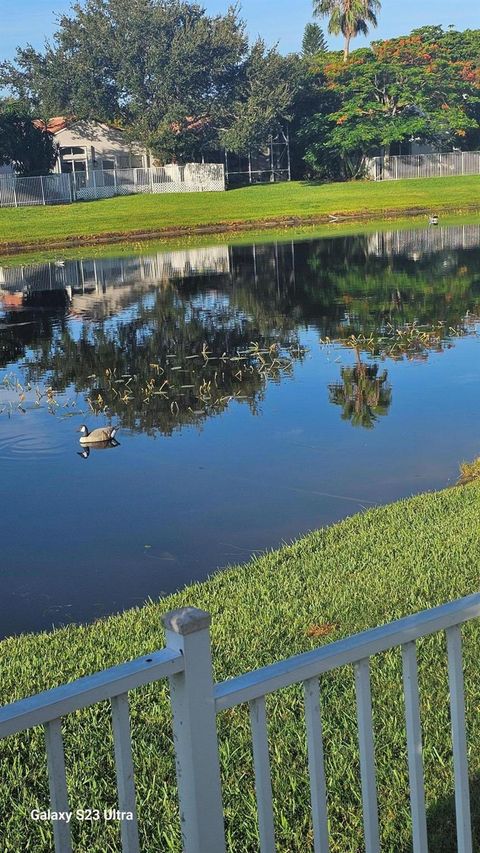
x: 58, y: 123
x: 192, y: 123
x: 55, y: 124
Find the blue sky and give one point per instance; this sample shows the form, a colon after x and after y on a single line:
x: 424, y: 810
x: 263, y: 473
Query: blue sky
x: 275, y: 20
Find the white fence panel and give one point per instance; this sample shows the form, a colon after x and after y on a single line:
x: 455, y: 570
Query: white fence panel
x: 194, y: 177
x: 46, y: 189
x: 8, y: 197
x: 436, y: 165
x: 106, y: 183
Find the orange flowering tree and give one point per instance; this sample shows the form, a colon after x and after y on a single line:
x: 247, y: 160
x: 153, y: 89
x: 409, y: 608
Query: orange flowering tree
x: 423, y: 87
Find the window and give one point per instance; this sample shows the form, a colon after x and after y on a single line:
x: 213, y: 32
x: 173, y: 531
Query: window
x: 129, y: 161
x: 108, y: 165
x: 71, y: 151
x: 74, y: 166
x: 70, y: 159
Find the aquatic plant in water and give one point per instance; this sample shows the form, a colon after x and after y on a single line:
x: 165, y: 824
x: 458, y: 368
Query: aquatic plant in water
x: 181, y: 390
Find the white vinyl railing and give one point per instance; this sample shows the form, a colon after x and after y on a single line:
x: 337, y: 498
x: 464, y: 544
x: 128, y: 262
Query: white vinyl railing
x: 106, y: 183
x: 435, y: 165
x: 196, y: 701
x: 41, y: 190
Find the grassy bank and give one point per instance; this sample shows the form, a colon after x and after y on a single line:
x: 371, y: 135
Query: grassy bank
x: 369, y: 569
x: 253, y: 207
x: 127, y: 248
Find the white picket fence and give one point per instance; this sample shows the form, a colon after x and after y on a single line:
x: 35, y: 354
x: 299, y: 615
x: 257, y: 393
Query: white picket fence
x: 196, y: 700
x: 423, y: 165
x: 103, y: 183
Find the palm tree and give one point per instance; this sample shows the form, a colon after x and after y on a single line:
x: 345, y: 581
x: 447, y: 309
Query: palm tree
x: 349, y: 17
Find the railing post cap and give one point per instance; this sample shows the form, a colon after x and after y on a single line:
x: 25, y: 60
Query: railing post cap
x: 186, y: 620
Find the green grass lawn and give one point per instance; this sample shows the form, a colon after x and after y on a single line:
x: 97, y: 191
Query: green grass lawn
x: 127, y: 248
x: 260, y: 204
x: 372, y: 568
x: 142, y: 246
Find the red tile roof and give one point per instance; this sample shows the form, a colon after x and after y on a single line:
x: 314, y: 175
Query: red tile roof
x: 55, y: 124
x: 191, y: 123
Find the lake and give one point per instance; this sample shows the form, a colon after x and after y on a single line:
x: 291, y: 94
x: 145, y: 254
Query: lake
x: 260, y: 391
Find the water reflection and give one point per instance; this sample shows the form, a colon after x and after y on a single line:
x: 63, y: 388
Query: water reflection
x: 99, y: 445
x: 159, y: 353
x: 363, y: 393
x: 272, y: 353
x: 167, y: 340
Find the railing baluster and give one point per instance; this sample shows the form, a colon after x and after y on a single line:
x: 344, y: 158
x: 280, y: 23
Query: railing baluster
x: 57, y: 781
x: 414, y: 746
x: 367, y: 756
x: 318, y: 785
x: 263, y: 783
x: 459, y: 739
x: 124, y: 770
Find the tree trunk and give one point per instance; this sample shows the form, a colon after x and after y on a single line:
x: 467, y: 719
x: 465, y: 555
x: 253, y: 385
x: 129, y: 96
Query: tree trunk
x: 346, y: 47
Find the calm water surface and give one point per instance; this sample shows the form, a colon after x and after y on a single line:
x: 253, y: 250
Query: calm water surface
x: 248, y: 414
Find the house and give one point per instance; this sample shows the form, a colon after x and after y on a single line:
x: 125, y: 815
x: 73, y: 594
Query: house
x: 86, y: 145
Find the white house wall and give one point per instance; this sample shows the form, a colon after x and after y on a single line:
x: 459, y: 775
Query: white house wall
x: 100, y: 141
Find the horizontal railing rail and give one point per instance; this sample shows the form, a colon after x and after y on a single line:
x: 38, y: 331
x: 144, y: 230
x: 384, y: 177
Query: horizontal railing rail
x: 260, y: 682
x: 88, y: 690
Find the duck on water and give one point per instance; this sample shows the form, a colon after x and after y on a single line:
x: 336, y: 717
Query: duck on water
x: 97, y: 436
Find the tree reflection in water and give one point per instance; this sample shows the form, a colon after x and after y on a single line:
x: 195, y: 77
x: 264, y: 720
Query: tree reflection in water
x: 363, y: 393
x: 160, y: 341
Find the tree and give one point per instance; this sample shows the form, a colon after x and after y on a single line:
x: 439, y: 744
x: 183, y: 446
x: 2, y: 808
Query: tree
x: 173, y: 76
x: 263, y: 100
x: 314, y: 40
x: 30, y: 150
x: 397, y: 90
x: 461, y: 47
x: 349, y: 17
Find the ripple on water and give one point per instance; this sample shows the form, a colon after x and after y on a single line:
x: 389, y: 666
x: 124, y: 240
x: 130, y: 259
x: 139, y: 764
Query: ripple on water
x: 24, y: 446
